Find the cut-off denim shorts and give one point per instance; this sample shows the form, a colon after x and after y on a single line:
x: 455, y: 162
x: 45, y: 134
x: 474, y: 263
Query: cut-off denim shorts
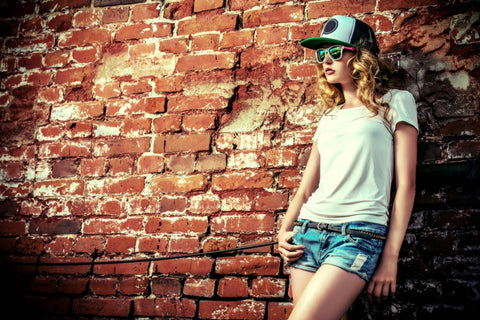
x: 351, y: 253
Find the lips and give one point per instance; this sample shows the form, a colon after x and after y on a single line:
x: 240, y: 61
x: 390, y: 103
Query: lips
x: 329, y: 71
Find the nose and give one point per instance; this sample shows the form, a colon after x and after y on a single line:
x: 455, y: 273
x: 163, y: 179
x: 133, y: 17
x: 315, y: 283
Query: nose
x: 327, y: 58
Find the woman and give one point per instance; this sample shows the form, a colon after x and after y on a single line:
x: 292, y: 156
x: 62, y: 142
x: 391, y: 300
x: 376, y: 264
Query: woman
x: 338, y: 234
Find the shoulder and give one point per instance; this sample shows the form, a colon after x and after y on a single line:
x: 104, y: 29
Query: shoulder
x: 398, y: 96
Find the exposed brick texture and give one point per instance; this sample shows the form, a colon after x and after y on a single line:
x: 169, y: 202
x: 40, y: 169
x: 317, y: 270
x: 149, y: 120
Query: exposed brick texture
x: 134, y: 129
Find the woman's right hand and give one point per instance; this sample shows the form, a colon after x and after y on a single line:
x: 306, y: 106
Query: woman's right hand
x: 288, y: 251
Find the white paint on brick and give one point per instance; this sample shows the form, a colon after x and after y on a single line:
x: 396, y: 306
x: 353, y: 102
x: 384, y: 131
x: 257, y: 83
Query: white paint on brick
x: 103, y: 131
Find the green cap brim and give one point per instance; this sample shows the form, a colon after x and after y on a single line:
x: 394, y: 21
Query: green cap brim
x: 317, y: 42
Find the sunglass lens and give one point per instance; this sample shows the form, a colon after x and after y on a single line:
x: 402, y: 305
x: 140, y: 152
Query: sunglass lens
x: 321, y: 55
x: 335, y: 53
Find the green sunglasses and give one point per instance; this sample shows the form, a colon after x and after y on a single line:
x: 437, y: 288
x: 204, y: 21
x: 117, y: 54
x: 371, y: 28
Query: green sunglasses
x: 335, y: 53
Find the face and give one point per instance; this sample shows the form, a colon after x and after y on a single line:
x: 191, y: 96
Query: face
x: 338, y: 71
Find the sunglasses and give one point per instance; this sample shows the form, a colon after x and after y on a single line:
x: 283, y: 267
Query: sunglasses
x: 335, y: 53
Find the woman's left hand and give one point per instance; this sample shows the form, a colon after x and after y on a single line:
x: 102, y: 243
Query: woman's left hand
x: 384, y: 280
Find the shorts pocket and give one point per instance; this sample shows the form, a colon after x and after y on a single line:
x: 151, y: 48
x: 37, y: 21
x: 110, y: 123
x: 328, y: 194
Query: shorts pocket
x: 369, y: 245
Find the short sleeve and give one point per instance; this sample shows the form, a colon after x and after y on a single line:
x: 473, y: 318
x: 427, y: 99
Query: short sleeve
x: 402, y: 109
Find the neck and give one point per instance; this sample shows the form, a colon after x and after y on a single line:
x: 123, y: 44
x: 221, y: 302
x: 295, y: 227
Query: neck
x: 351, y: 98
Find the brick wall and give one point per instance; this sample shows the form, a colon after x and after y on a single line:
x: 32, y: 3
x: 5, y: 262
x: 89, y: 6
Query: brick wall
x: 134, y: 129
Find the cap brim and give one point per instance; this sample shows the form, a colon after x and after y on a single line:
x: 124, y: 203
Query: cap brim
x: 317, y: 42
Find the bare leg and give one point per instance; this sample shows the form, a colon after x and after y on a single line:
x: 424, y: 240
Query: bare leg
x: 299, y: 279
x: 328, y: 294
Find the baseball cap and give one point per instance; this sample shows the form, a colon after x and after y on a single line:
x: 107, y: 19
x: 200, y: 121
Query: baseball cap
x: 342, y: 30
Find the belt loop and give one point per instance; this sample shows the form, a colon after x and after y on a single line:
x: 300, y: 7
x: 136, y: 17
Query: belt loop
x: 304, y: 226
x: 344, y: 229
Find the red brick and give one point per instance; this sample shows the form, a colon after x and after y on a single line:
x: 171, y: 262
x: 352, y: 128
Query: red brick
x: 199, y: 287
x: 406, y: 4
x: 59, y: 22
x: 122, y: 146
x: 77, y: 111
x: 166, y: 287
x: 289, y: 179
x: 33, y: 61
x: 145, y: 11
x: 44, y: 285
x: 232, y: 287
x: 152, y: 104
x: 268, y: 288
x: 178, y: 103
x: 200, y: 122
x: 140, y: 86
x: 204, y: 5
x: 331, y: 8
x: 302, y: 71
x: 248, y: 265
x: 12, y: 228
x: 58, y: 58
x: 115, y: 14
x: 152, y: 244
x: 300, y: 32
x: 141, y: 50
x: 65, y: 149
x: 282, y: 14
x: 133, y: 285
x: 30, y: 246
x: 72, y: 286
x: 205, y: 42
x: 187, y: 143
x: 65, y: 168
x: 150, y: 164
x: 107, y: 90
x: 105, y: 307
x: 111, y: 207
x: 132, y: 127
x: 183, y: 266
x: 262, y: 55
x: 92, y: 167
x: 181, y: 163
x: 178, y: 184
x: 86, y: 19
x: 137, y: 268
x: 64, y: 269
x: 272, y: 35
x: 52, y: 188
x: 165, y: 307
x: 109, y: 226
x: 11, y: 171
x: 267, y: 200
x: 162, y: 30
x: 211, y: 162
x: 169, y: 84
x: 59, y: 5
x: 89, y: 244
x: 16, y: 190
x: 205, y: 23
x: 243, y: 223
x: 176, y: 225
x: 159, y: 144
x: 85, y: 55
x: 116, y: 185
x: 169, y: 123
x: 183, y: 245
x: 28, y: 44
x: 242, y: 180
x: 281, y: 158
x: 204, y: 203
x: 103, y: 286
x: 85, y: 37
x: 172, y: 204
x: 237, y: 38
x: 134, y: 31
x: 50, y: 95
x: 242, y: 4
x: 279, y: 310
x: 224, y: 60
x: 241, y: 310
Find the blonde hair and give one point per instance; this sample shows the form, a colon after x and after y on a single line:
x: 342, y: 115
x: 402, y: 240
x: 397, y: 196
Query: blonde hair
x: 372, y: 77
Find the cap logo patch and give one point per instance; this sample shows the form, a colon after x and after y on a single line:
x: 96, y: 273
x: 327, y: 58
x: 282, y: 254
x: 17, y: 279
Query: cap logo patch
x: 331, y: 26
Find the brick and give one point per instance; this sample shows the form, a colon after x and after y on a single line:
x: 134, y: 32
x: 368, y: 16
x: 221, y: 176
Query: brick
x: 115, y: 14
x: 242, y: 4
x: 190, y: 266
x: 141, y: 50
x: 86, y: 19
x: 116, y: 185
x: 85, y: 37
x: 65, y: 168
x: 248, y: 265
x: 205, y: 23
x: 72, y: 286
x: 211, y: 162
x: 281, y: 158
x: 121, y: 147
x: 133, y: 285
x: 245, y: 310
x: 106, y: 307
x: 168, y: 123
x: 59, y: 22
x: 29, y: 44
x: 169, y: 84
x: 187, y: 143
x: 178, y: 184
x: 144, y: 11
x: 89, y: 244
x: 59, y: 5
x: 205, y: 42
x: 267, y: 200
x: 187, y: 225
x: 242, y: 180
x: 12, y: 228
x: 166, y: 287
x: 76, y: 111
x: 243, y: 160
x: 279, y: 310
x: 200, y: 122
x: 134, y: 31
x: 120, y: 244
x: 204, y: 5
x: 180, y: 103
x: 34, y: 61
x: 133, y: 127
x: 140, y: 86
x: 65, y: 149
x: 254, y: 56
x: 152, y: 104
x: 85, y: 55
x: 272, y: 35
x: 237, y: 201
x: 181, y: 163
x: 282, y: 14
x: 44, y: 285
x: 152, y: 244
x: 64, y: 269
x: 150, y: 164
x: 233, y: 287
x: 63, y: 226
x: 113, y: 207
x: 204, y: 204
x: 55, y: 188
x: 243, y: 223
x: 92, y: 167
x: 289, y: 179
x: 109, y: 226
x: 268, y: 288
x: 49, y: 95
x: 11, y: 171
x: 224, y: 60
x: 237, y: 38
x: 103, y: 286
x: 253, y: 141
x: 107, y: 90
x: 199, y: 287
x: 183, y: 245
x: 137, y: 268
x: 165, y: 307
x: 162, y: 30
x: 302, y: 71
x: 406, y: 4
x: 320, y: 9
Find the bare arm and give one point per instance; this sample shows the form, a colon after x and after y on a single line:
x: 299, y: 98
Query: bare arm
x: 383, y: 281
x: 309, y: 183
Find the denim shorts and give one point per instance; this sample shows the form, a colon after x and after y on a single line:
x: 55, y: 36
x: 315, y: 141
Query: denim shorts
x: 351, y: 253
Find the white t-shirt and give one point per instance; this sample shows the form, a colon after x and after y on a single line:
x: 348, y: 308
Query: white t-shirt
x: 357, y: 162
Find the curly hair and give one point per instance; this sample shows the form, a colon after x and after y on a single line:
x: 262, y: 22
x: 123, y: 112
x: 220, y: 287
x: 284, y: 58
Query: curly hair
x: 372, y: 77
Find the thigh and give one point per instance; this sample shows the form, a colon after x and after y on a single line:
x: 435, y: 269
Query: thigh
x: 299, y: 279
x: 328, y: 294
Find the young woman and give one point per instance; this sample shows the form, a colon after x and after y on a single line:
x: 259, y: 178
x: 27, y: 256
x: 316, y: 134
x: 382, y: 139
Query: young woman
x: 338, y: 233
